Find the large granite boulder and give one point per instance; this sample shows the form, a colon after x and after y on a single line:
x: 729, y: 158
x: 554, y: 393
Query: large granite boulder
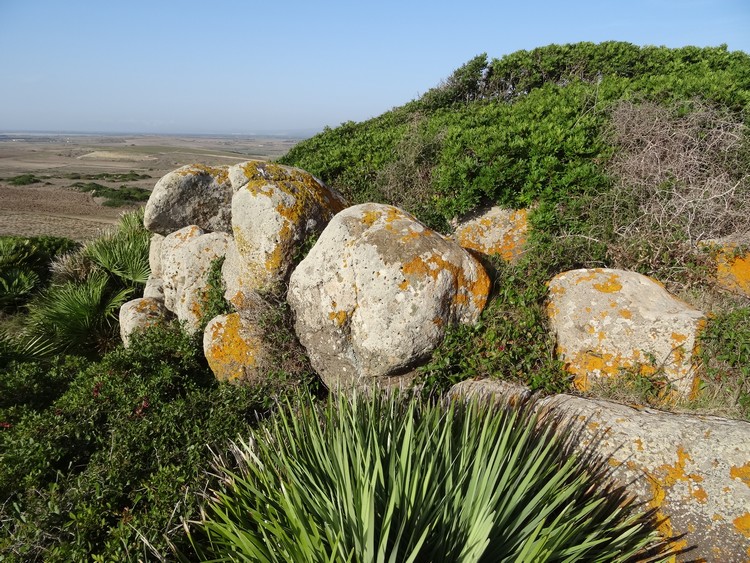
x: 375, y: 294
x: 275, y: 209
x: 191, y: 195
x: 693, y: 470
x: 495, y: 231
x: 186, y: 257
x: 139, y: 314
x: 610, y: 320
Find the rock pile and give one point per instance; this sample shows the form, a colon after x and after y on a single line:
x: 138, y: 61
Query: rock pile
x: 376, y: 292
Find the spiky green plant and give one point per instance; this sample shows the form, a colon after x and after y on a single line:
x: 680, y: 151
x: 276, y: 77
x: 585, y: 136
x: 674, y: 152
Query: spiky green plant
x: 124, y: 252
x: 78, y: 317
x: 383, y: 478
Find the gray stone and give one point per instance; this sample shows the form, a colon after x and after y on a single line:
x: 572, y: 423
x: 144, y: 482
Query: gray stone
x: 609, y: 320
x: 236, y: 350
x: 187, y: 256
x: 138, y: 314
x: 274, y: 211
x: 495, y: 232
x: 376, y: 293
x: 693, y: 470
x: 191, y: 195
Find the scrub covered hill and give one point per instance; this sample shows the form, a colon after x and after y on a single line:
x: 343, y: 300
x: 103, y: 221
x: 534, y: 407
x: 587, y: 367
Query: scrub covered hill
x: 529, y: 127
x: 628, y: 157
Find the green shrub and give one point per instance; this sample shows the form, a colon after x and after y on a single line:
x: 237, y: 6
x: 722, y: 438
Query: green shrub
x: 24, y: 267
x: 511, y: 341
x: 114, y: 197
x: 23, y: 180
x: 382, y: 478
x: 102, y: 460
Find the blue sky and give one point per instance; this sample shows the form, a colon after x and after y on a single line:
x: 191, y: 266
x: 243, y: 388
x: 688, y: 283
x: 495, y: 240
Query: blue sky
x: 223, y: 66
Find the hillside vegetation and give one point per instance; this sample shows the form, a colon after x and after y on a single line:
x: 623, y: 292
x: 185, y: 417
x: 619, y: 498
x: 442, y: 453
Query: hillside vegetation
x: 627, y: 156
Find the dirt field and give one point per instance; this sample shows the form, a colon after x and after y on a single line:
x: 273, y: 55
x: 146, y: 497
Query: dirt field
x: 52, y: 207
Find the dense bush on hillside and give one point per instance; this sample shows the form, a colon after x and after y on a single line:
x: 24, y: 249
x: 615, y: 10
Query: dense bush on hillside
x: 522, y: 128
x: 77, y: 312
x: 24, y: 267
x: 102, y: 460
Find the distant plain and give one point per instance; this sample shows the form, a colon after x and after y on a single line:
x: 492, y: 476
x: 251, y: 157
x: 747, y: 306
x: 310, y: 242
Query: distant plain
x: 50, y: 204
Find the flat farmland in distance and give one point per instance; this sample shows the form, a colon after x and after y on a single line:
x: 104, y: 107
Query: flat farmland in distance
x: 39, y: 173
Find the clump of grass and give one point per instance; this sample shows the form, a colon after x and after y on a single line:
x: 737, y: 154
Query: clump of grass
x: 385, y: 478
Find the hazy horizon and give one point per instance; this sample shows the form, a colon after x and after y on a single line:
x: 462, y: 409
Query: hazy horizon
x: 238, y: 68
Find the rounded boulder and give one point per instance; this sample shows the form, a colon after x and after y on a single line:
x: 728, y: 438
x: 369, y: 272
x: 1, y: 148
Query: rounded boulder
x: 376, y: 293
x: 191, y: 195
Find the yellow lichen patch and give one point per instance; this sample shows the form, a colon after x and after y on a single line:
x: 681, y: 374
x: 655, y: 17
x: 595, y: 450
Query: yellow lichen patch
x: 700, y: 494
x: 610, y: 285
x: 187, y: 233
x: 733, y: 272
x: 638, y: 444
x: 717, y: 517
x: 676, y: 472
x: 503, y: 235
x: 369, y: 217
x: 625, y: 314
x: 742, y: 524
x: 591, y: 275
x: 232, y: 351
x: 338, y: 317
x: 468, y: 290
x: 404, y: 285
x: 221, y: 175
x: 741, y: 472
x: 678, y: 338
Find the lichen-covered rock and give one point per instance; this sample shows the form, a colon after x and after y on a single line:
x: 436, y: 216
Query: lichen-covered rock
x: 139, y: 314
x: 377, y: 291
x: 191, y: 195
x: 235, y: 349
x: 733, y: 269
x: 274, y: 211
x: 497, y: 231
x: 187, y: 256
x: 694, y: 470
x: 608, y: 320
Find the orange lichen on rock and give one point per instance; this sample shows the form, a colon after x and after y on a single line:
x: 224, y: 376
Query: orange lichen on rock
x: 733, y: 270
x: 338, y: 317
x: 742, y: 523
x: 220, y: 174
x: 610, y: 285
x: 501, y: 232
x: 231, y: 351
x: 742, y: 473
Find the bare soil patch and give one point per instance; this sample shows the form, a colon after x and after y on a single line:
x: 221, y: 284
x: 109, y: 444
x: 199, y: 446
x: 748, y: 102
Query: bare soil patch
x: 52, y: 206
